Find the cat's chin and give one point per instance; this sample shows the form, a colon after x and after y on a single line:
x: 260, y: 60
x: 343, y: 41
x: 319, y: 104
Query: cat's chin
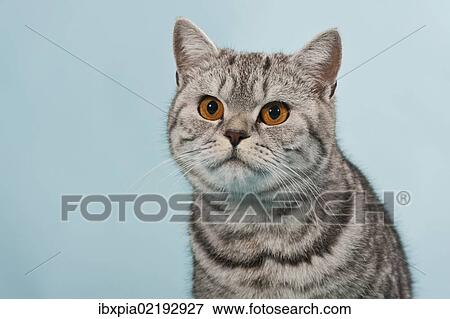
x: 234, y: 175
x: 231, y: 167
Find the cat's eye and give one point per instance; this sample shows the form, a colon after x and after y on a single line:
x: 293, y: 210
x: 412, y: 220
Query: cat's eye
x: 210, y: 108
x: 274, y: 113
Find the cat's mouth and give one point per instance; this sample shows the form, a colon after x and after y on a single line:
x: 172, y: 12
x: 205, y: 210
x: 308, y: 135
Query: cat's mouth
x: 233, y: 158
x: 235, y: 171
x: 236, y: 161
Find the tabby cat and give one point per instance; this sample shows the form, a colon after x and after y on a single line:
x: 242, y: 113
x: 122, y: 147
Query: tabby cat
x: 247, y: 127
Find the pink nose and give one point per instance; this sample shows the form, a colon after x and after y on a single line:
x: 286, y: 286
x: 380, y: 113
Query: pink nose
x: 236, y: 136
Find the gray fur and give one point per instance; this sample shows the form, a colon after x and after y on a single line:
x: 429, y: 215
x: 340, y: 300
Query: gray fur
x: 316, y: 259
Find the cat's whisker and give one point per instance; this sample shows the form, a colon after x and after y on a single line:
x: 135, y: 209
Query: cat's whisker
x: 138, y: 183
x: 315, y: 193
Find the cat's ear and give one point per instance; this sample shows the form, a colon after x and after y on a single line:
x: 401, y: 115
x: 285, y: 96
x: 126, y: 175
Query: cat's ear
x: 322, y: 57
x: 191, y: 46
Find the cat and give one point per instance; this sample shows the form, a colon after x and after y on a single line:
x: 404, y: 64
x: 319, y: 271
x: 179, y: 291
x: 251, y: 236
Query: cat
x: 264, y: 124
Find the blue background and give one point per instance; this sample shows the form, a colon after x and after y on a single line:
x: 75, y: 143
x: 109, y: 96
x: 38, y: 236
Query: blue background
x: 66, y: 129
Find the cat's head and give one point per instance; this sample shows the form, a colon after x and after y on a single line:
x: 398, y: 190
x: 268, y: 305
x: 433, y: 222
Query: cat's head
x: 252, y: 122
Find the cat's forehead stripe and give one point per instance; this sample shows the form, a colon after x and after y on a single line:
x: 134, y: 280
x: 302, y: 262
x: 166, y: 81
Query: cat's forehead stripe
x: 245, y: 81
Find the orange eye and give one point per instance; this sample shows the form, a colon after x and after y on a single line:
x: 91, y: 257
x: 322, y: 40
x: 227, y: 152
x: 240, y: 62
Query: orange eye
x: 210, y: 108
x: 274, y: 113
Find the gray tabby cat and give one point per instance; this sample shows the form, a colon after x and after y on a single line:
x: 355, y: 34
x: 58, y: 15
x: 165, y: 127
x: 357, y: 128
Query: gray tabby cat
x: 264, y: 124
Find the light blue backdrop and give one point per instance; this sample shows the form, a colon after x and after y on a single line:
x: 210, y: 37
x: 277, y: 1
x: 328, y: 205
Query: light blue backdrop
x: 66, y: 129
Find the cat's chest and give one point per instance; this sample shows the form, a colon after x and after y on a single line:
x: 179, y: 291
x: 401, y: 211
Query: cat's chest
x: 271, y: 263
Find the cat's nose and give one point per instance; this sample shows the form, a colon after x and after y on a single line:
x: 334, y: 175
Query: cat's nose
x: 236, y: 136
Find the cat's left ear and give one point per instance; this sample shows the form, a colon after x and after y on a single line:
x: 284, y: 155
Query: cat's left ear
x: 322, y: 58
x: 191, y: 47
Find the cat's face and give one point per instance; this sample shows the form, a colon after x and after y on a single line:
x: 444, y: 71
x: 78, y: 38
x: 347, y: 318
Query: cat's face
x: 251, y: 122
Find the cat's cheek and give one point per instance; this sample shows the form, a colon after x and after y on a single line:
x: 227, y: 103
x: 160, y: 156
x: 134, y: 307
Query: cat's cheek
x: 278, y: 138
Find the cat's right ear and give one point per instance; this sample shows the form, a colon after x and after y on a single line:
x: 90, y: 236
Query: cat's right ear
x: 191, y: 47
x: 322, y: 58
